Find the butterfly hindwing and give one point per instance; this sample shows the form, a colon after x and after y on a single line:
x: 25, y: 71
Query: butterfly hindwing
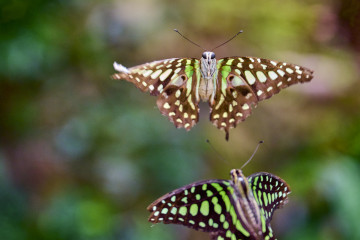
x: 270, y: 192
x: 173, y: 81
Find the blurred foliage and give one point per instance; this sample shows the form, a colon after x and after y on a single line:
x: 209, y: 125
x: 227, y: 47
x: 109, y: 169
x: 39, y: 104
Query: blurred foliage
x: 81, y: 156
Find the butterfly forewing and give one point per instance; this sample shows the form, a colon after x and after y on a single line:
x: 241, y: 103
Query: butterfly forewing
x: 267, y: 77
x: 174, y: 80
x: 270, y: 192
x: 206, y: 206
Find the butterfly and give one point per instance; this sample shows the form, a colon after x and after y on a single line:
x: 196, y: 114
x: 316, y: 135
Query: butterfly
x: 241, y: 208
x: 231, y: 85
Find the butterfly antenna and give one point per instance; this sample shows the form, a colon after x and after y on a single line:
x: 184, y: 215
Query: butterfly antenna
x: 189, y: 40
x: 217, y: 153
x: 228, y: 40
x: 252, y: 155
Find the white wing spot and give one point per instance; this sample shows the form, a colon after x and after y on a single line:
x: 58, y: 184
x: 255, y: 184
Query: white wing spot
x: 273, y: 63
x: 245, y: 106
x: 239, y: 65
x: 151, y: 87
x: 156, y: 74
x: 171, y: 114
x: 159, y: 66
x: 147, y: 73
x: 251, y: 66
x: 261, y: 76
x: 166, y: 105
x: 144, y: 83
x: 273, y: 75
x: 177, y: 103
x: 160, y: 88
x: 179, y: 120
x: 165, y: 74
x: 250, y: 77
x: 178, y: 93
x: 231, y: 120
x: 225, y: 115
x: 269, y: 89
x: 248, y: 96
x: 289, y: 70
x: 281, y: 72
x: 259, y: 92
x: 279, y: 84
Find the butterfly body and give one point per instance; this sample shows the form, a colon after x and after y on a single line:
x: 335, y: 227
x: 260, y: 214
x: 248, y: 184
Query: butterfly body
x: 231, y: 85
x: 241, y: 208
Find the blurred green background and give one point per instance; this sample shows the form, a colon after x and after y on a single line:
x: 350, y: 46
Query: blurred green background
x: 82, y: 156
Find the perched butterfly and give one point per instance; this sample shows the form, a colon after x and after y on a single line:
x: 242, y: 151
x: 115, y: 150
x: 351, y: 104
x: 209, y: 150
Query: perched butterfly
x: 231, y: 85
x: 238, y: 209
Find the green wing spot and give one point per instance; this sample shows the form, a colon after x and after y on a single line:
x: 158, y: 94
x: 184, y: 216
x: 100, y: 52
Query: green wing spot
x: 225, y: 73
x: 194, y: 209
x: 217, y: 208
x: 189, y: 70
x: 226, y: 200
x: 263, y: 221
x: 265, y: 199
x: 217, y: 186
x: 241, y: 229
x: 233, y: 214
x: 205, y: 208
x: 183, y: 210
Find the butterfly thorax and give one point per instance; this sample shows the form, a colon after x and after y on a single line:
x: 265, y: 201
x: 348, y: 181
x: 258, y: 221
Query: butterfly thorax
x: 246, y: 205
x: 208, y: 71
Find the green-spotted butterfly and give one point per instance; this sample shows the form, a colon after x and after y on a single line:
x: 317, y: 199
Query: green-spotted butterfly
x: 241, y: 208
x: 231, y: 85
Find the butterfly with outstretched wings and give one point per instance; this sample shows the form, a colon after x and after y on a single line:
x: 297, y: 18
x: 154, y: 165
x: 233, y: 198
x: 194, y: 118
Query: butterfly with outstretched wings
x: 231, y: 85
x: 241, y: 208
